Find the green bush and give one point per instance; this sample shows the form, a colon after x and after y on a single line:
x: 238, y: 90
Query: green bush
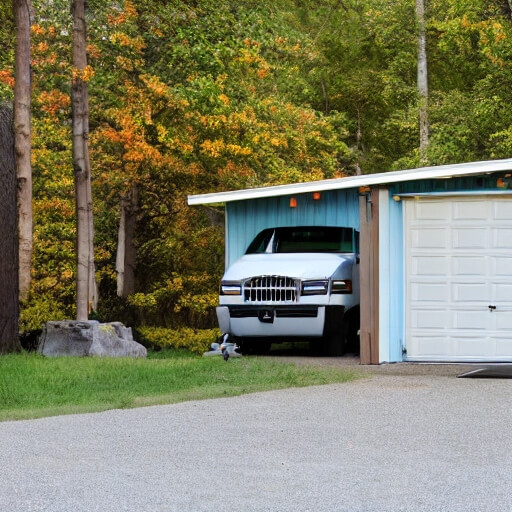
x: 197, y: 341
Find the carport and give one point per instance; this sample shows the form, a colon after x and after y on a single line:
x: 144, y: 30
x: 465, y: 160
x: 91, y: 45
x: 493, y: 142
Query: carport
x: 436, y: 253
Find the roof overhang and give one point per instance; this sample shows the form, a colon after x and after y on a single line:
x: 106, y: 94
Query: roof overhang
x: 366, y: 180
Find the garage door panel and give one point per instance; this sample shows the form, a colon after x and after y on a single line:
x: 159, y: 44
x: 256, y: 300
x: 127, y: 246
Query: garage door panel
x: 469, y: 210
x: 430, y: 238
x: 430, y: 265
x: 423, y: 291
x: 469, y: 238
x: 469, y: 320
x: 455, y: 268
x: 474, y: 346
x: 431, y: 319
x: 470, y: 292
x: 504, y: 348
x: 502, y: 238
x: 429, y: 346
x: 501, y: 266
x: 503, y: 321
x: 433, y: 210
x: 502, y: 293
x: 502, y: 210
x: 466, y: 265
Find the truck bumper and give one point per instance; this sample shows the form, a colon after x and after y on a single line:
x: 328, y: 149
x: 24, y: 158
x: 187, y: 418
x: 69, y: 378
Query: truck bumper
x: 280, y: 321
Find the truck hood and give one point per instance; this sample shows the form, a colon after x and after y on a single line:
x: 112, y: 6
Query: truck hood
x: 301, y: 265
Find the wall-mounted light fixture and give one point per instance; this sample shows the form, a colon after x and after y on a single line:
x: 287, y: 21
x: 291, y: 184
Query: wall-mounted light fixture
x: 317, y: 196
x: 293, y: 202
x: 397, y: 198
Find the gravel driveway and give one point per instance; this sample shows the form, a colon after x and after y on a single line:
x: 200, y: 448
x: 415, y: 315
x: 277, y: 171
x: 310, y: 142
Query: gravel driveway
x: 388, y: 442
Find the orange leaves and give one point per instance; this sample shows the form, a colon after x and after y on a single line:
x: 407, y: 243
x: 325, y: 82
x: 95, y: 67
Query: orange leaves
x: 6, y: 77
x: 54, y: 102
x: 37, y: 30
x: 129, y: 13
x: 93, y: 51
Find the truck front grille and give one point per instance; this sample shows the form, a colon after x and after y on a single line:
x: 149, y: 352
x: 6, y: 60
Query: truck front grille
x: 271, y: 289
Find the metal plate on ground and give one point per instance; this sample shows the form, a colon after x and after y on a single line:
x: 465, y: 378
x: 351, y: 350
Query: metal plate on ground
x: 490, y: 372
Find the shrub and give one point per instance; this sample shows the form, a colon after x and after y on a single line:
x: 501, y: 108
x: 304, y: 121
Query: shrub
x: 197, y: 341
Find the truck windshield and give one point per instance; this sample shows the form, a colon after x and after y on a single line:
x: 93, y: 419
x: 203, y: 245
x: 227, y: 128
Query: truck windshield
x: 303, y: 239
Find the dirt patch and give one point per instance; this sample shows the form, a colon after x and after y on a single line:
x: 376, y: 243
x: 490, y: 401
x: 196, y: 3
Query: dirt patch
x: 397, y: 369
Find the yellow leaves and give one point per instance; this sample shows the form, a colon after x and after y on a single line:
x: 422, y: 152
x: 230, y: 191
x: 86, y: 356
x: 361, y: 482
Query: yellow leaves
x: 84, y: 74
x: 224, y: 99
x: 122, y: 39
x: 212, y: 148
x: 218, y: 147
x: 66, y: 274
x: 155, y: 85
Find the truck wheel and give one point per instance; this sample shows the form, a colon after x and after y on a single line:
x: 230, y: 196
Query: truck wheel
x: 334, y: 345
x: 254, y: 346
x: 351, y: 329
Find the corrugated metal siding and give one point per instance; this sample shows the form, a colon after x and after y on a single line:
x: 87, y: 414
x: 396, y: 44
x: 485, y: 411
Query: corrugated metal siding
x: 461, y: 184
x: 247, y: 218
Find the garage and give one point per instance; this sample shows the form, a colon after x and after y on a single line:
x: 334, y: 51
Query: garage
x: 435, y: 253
x: 458, y: 279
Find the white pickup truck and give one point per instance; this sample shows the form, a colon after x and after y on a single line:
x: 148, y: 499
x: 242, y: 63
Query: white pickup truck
x: 294, y: 283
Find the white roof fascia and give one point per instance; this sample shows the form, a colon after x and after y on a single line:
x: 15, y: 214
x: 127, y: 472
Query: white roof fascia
x: 422, y: 173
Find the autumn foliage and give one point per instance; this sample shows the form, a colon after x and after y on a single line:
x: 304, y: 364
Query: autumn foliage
x: 191, y: 97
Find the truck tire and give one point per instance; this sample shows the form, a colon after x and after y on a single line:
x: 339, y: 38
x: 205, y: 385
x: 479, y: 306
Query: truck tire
x: 334, y: 345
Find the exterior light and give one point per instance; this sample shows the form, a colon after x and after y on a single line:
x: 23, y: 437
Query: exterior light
x: 397, y: 198
x: 317, y: 196
x: 363, y: 191
x: 293, y: 202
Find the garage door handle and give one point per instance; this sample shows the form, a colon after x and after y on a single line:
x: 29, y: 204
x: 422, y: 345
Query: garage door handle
x: 491, y: 307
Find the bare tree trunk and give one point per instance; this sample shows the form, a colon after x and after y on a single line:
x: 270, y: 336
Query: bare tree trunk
x: 422, y: 81
x: 9, y: 305
x: 126, y: 251
x: 86, y: 298
x: 22, y: 10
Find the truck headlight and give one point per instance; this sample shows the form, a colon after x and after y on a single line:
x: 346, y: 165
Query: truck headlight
x: 230, y: 288
x: 341, y: 286
x: 315, y: 287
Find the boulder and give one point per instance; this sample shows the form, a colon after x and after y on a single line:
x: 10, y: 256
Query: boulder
x: 91, y: 338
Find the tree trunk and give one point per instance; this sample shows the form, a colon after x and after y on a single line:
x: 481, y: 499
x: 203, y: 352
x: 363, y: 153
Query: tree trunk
x: 126, y: 251
x: 422, y: 81
x: 22, y: 12
x: 86, y: 298
x: 9, y: 306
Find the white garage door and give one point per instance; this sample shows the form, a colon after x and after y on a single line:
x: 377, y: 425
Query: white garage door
x: 458, y: 278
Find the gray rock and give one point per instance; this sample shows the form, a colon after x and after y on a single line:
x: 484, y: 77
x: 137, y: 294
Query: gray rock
x: 74, y: 338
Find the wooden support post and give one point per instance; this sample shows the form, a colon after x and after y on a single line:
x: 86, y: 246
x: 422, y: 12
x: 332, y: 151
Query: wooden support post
x: 369, y: 276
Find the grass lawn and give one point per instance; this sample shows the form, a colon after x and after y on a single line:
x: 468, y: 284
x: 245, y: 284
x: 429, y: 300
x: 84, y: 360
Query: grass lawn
x: 33, y: 386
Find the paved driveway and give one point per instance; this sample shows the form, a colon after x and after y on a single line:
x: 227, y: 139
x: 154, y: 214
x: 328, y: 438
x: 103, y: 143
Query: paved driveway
x: 383, y: 443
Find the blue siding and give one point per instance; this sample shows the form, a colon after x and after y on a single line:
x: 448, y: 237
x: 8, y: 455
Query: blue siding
x: 247, y: 218
x: 396, y: 278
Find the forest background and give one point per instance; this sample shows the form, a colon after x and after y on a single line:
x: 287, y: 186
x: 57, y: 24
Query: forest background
x: 199, y: 96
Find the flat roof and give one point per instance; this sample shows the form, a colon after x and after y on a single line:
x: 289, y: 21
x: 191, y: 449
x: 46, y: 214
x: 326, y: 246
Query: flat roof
x: 364, y: 180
